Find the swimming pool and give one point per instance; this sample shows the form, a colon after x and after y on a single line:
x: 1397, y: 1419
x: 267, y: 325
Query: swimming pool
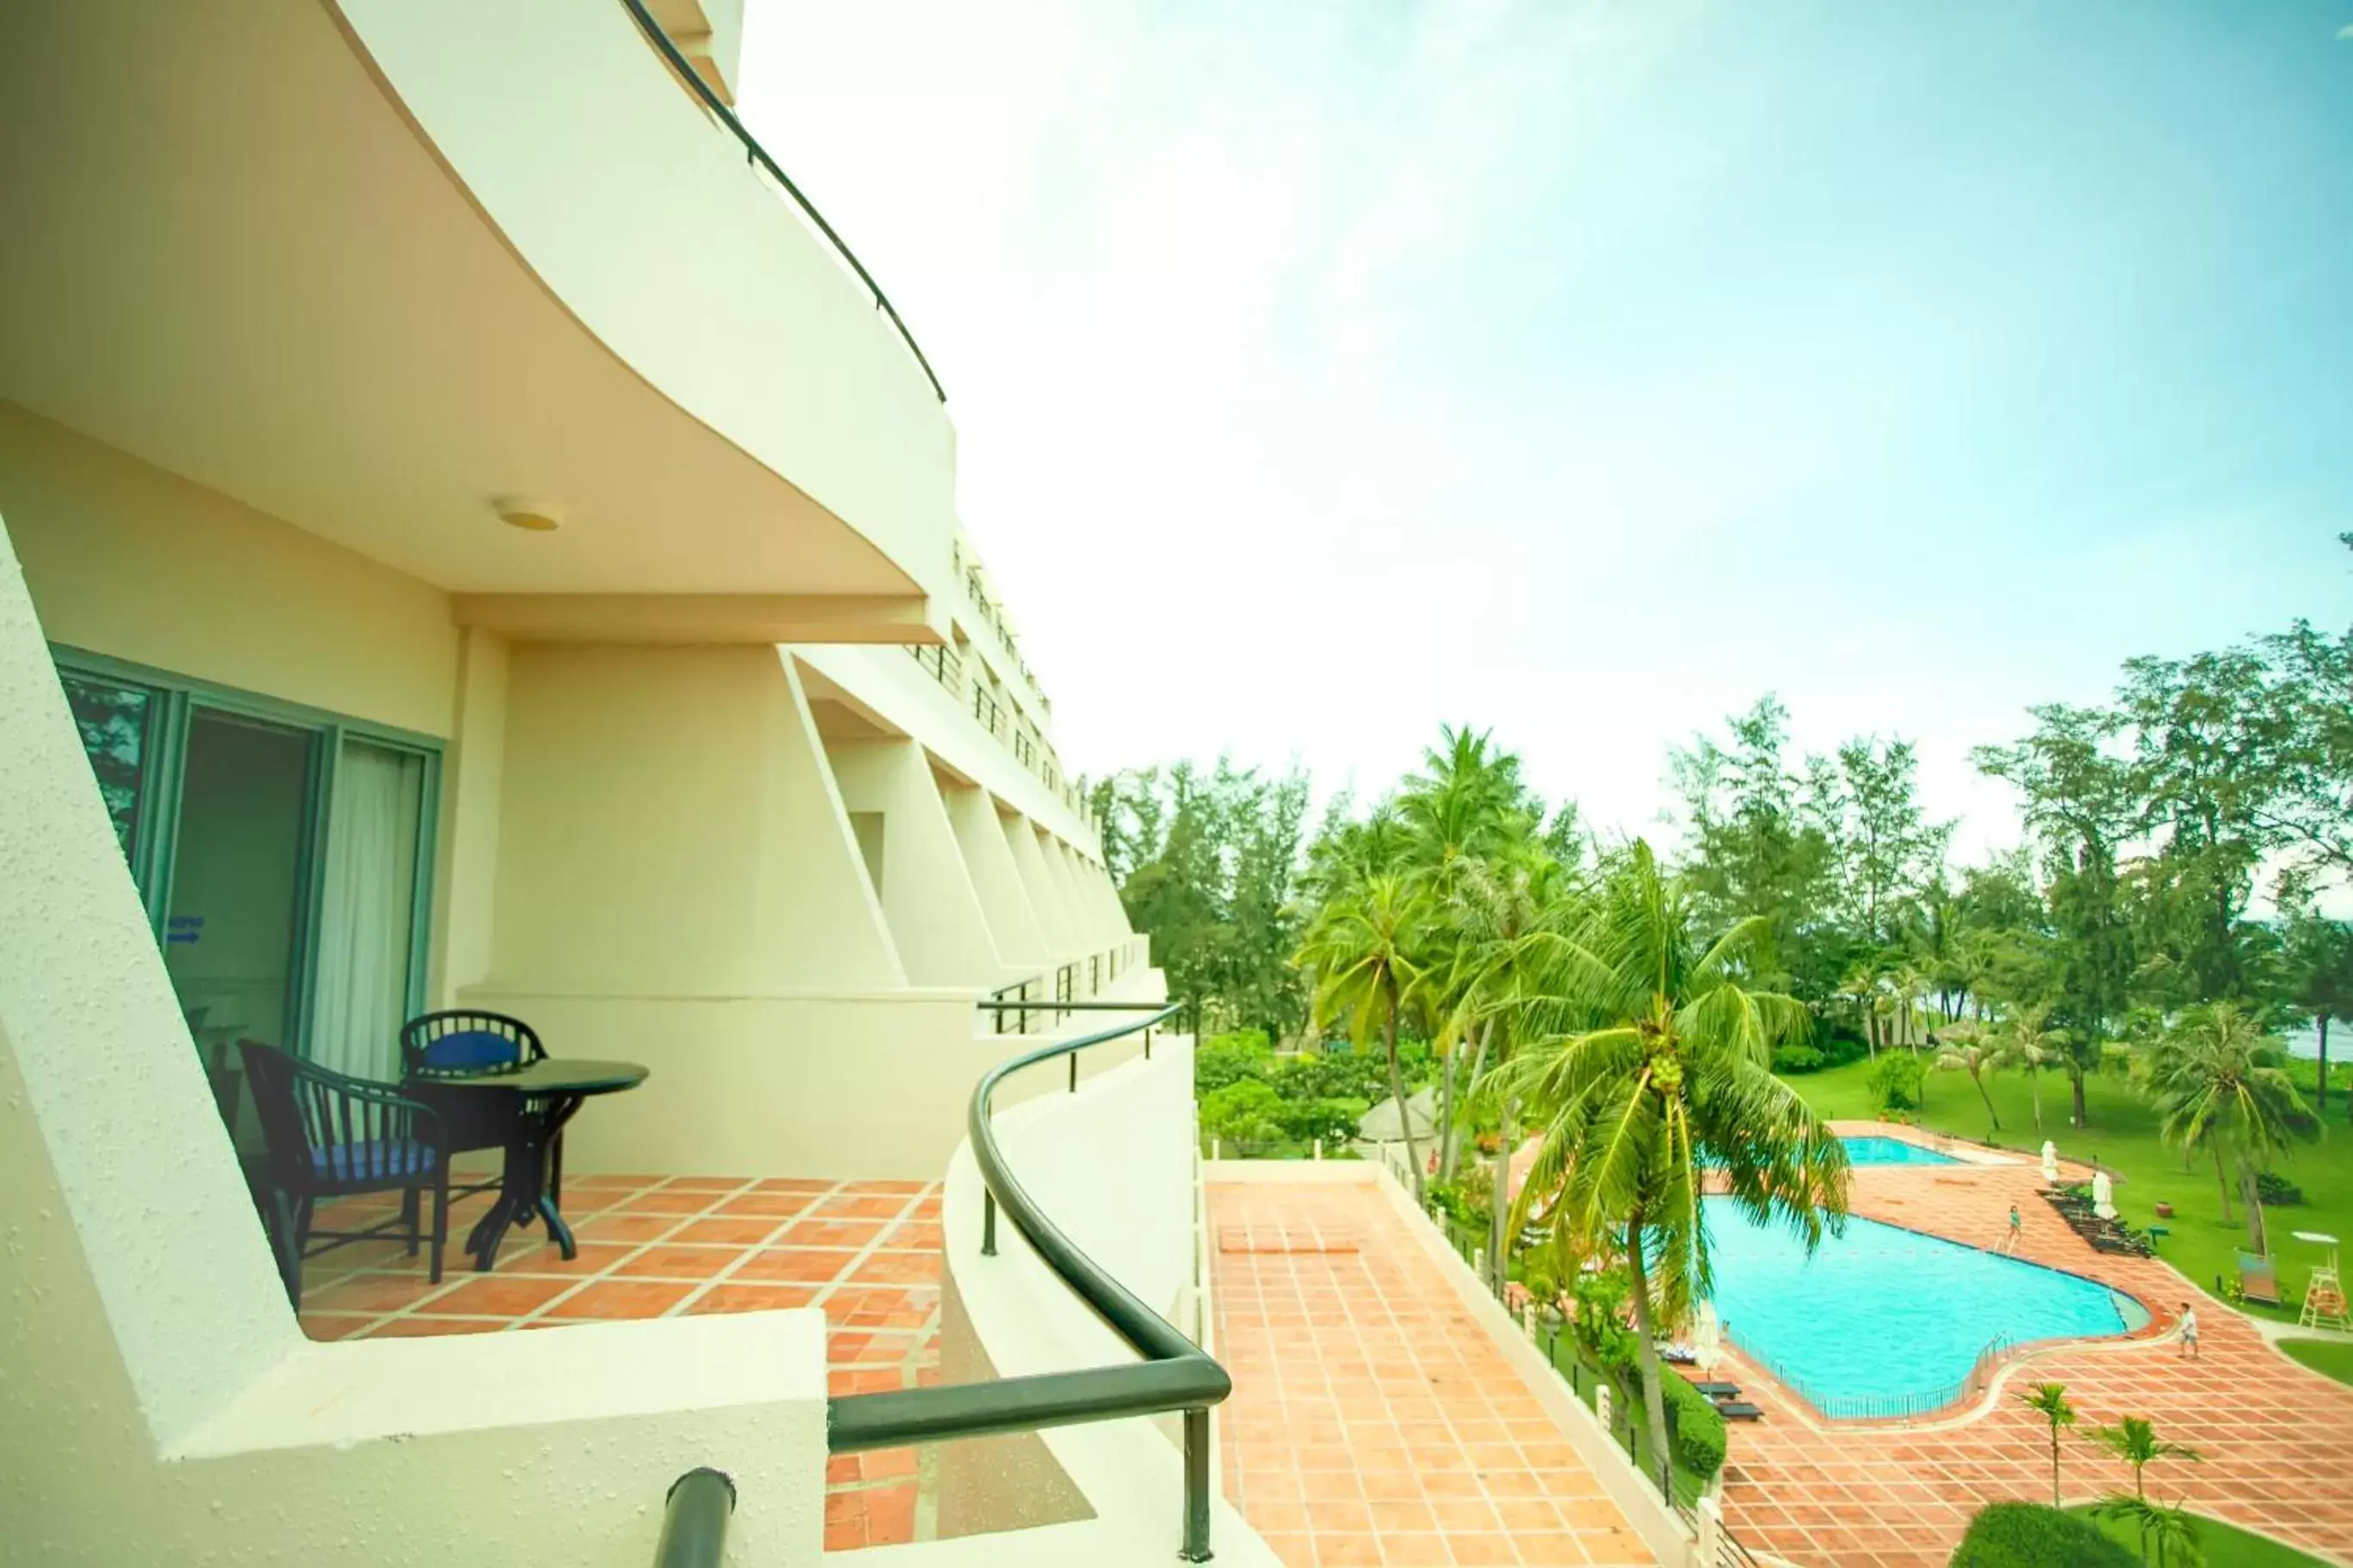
x: 1874, y: 1150
x: 1886, y: 1321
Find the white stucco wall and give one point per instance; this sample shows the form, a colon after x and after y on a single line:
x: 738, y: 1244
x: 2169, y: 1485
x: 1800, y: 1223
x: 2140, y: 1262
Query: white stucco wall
x: 670, y: 828
x: 158, y: 1403
x: 928, y: 898
x: 1012, y: 918
x: 1063, y: 941
x: 126, y: 559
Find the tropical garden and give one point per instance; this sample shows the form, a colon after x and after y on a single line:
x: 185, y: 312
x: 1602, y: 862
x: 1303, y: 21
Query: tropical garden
x: 1800, y: 945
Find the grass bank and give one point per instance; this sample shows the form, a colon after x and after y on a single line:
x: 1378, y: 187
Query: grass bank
x: 2221, y: 1545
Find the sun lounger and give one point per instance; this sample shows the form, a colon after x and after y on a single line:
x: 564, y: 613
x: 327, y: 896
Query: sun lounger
x: 1718, y: 1390
x: 1736, y: 1410
x: 1679, y: 1355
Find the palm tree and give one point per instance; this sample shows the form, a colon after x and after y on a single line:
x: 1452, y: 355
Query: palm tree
x: 1652, y: 1070
x: 2173, y: 1531
x: 1507, y: 916
x: 2134, y: 1440
x: 2025, y: 1044
x: 1465, y: 809
x: 2051, y: 1400
x: 1363, y: 954
x: 1860, y: 990
x: 2220, y: 1086
x: 1963, y: 1049
x: 1913, y: 984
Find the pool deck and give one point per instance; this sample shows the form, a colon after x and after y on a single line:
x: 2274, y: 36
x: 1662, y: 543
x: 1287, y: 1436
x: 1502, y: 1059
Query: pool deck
x: 1372, y: 1420
x: 2277, y: 1438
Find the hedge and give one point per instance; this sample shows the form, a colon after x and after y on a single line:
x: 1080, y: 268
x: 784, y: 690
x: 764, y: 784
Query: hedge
x: 1697, y: 1428
x: 2029, y: 1535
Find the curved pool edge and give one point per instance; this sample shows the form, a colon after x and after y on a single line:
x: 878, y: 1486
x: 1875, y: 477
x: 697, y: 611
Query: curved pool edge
x: 1972, y: 1404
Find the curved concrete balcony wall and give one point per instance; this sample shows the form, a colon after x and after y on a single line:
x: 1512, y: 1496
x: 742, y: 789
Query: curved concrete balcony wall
x: 640, y: 214
x: 1113, y: 1165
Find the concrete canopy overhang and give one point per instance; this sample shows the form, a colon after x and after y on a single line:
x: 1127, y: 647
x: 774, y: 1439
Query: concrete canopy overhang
x: 231, y: 251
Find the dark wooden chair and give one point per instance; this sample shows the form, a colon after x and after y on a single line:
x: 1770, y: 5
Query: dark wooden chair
x: 327, y: 1135
x: 464, y: 1042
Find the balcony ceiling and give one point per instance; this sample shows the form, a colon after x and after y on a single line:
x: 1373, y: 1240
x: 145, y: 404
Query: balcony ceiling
x: 231, y: 253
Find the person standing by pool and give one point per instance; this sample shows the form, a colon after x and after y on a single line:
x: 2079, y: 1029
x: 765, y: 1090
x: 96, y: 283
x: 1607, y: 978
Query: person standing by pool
x: 2188, y: 1331
x: 2010, y: 1243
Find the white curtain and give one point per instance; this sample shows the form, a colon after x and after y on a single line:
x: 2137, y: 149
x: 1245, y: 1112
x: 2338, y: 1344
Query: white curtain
x: 365, y: 927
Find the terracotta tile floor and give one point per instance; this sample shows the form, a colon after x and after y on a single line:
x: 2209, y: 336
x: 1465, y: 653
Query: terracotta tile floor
x: 1372, y: 1420
x: 2277, y: 1438
x: 867, y: 1253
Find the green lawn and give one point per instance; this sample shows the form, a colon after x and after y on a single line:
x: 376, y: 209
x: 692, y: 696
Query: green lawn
x: 2330, y: 1358
x: 2222, y: 1545
x: 2122, y: 1137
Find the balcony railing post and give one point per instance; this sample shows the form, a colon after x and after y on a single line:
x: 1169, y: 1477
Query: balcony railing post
x: 987, y: 1223
x: 1196, y: 1487
x: 1074, y: 1072
x: 694, y: 1519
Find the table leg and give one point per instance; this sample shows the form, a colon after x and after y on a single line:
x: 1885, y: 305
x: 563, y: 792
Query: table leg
x: 557, y: 1230
x: 524, y: 1193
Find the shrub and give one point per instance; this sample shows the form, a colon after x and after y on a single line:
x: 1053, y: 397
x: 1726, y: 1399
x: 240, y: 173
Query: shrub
x: 2276, y: 1191
x: 1694, y: 1427
x: 1897, y: 1082
x: 1798, y: 1058
x: 1245, y: 1111
x: 2029, y: 1535
x: 1840, y: 1047
x: 1230, y: 1058
x: 1333, y: 1121
x: 1342, y: 1074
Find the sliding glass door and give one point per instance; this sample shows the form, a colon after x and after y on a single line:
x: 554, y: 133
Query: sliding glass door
x: 284, y: 857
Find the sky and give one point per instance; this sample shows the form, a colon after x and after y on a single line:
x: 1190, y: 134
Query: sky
x: 1327, y: 370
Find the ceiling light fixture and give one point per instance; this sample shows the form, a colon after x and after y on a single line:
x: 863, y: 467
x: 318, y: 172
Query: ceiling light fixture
x: 524, y: 512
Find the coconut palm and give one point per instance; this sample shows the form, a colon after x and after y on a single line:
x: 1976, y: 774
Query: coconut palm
x: 1650, y: 1070
x: 2049, y: 1399
x: 2025, y: 1043
x: 1363, y: 954
x: 1506, y: 916
x: 1963, y: 1047
x: 2220, y: 1086
x: 2134, y: 1440
x: 1466, y: 808
x: 1860, y: 991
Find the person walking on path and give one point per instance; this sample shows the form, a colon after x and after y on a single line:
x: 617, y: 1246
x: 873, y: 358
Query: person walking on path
x: 2188, y: 1331
x: 2017, y: 1234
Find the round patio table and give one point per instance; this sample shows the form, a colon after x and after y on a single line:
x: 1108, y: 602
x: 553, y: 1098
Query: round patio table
x: 549, y: 1092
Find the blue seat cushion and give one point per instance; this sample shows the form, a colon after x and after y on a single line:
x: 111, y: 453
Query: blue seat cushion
x: 469, y: 1049
x: 382, y: 1160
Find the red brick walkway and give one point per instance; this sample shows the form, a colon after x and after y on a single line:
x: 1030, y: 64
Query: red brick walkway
x: 2277, y: 1438
x: 1372, y: 1420
x: 867, y: 1253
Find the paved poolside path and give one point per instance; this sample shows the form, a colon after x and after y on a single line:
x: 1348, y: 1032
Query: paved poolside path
x: 1372, y: 1421
x: 2277, y: 1438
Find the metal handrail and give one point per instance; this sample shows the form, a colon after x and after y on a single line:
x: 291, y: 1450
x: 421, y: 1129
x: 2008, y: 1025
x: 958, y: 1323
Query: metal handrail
x: 1175, y: 1374
x: 694, y: 1519
x: 759, y: 154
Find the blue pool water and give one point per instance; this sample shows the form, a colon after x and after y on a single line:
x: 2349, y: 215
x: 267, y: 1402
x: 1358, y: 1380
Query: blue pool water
x: 1875, y: 1150
x: 1884, y: 1321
